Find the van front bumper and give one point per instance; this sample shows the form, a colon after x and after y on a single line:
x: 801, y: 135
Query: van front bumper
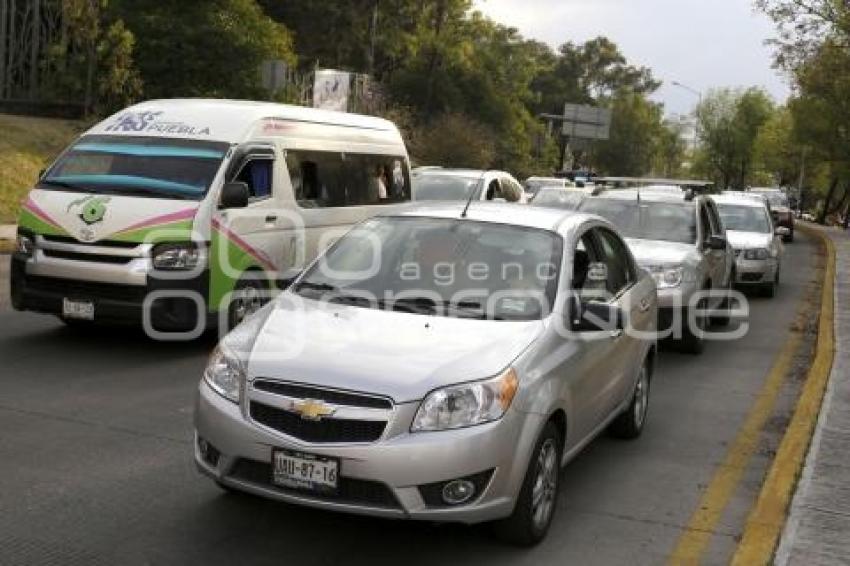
x: 114, y: 303
x: 382, y: 478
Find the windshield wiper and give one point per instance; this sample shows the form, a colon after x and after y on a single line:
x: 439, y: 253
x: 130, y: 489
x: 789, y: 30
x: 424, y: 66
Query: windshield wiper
x: 66, y: 185
x: 153, y: 193
x: 309, y: 285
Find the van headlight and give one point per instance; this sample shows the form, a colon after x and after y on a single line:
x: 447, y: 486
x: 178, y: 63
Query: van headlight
x: 468, y: 404
x: 176, y: 257
x: 225, y: 374
x: 756, y: 253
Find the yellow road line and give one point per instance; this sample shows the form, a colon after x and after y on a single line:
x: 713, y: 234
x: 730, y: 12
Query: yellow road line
x: 694, y: 540
x: 767, y: 519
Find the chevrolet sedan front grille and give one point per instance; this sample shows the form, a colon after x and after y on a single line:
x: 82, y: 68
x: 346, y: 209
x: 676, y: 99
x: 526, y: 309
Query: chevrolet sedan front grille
x: 326, y: 430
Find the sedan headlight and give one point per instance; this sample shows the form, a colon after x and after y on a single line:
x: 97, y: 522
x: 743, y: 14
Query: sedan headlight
x: 468, y: 404
x: 225, y: 374
x: 24, y: 244
x: 756, y: 253
x: 174, y: 257
x: 667, y: 277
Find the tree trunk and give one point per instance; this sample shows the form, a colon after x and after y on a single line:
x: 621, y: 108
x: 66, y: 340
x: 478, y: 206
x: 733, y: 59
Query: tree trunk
x: 4, y: 18
x: 35, y: 44
x: 435, y: 56
x: 825, y: 210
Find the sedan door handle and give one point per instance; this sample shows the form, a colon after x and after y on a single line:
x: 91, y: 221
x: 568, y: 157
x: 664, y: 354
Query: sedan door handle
x: 271, y: 218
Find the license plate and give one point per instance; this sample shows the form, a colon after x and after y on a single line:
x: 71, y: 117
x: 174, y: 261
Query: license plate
x: 305, y: 471
x: 78, y: 309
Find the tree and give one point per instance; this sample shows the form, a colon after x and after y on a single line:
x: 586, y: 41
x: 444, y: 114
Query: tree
x: 636, y: 126
x: 210, y: 48
x: 777, y: 154
x: 803, y: 25
x: 454, y: 140
x: 729, y: 122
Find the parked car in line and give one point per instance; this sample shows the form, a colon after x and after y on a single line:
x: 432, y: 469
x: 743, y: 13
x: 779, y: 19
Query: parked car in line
x: 679, y: 238
x: 563, y: 198
x: 780, y: 209
x: 808, y: 217
x: 193, y: 201
x: 438, y: 183
x: 533, y: 184
x: 374, y: 385
x: 756, y: 241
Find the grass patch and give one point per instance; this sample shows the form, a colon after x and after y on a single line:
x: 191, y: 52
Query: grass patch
x: 27, y: 145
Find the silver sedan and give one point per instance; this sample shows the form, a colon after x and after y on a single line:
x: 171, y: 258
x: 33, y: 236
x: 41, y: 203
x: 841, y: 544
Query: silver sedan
x: 437, y: 364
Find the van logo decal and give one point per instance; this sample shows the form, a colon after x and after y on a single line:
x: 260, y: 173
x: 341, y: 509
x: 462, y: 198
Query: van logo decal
x: 149, y: 121
x: 91, y: 209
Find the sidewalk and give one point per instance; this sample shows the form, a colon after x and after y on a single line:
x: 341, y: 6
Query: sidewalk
x: 7, y: 237
x: 818, y: 528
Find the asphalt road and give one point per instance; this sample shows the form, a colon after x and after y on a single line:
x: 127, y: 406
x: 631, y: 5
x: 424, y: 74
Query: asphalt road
x: 96, y: 467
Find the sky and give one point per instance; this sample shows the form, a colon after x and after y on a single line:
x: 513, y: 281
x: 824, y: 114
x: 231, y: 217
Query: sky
x: 703, y: 44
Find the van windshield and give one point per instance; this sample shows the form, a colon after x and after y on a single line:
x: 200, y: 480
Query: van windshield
x: 137, y: 166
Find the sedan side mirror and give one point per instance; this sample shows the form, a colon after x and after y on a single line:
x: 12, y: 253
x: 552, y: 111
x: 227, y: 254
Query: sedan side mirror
x: 234, y: 195
x: 594, y: 316
x: 717, y: 243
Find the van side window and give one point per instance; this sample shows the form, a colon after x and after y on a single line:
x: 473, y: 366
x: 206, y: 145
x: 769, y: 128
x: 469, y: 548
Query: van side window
x: 257, y: 174
x: 328, y: 179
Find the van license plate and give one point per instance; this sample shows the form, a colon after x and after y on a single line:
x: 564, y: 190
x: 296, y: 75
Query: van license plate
x: 83, y: 310
x: 305, y: 471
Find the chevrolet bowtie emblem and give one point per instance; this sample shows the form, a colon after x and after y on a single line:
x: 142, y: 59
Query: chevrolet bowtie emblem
x: 312, y: 410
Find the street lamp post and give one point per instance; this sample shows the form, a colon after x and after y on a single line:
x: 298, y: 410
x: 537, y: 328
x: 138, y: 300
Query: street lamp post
x: 696, y: 117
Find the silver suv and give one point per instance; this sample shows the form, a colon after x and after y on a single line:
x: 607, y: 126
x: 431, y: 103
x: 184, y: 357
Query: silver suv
x: 439, y: 364
x: 677, y: 236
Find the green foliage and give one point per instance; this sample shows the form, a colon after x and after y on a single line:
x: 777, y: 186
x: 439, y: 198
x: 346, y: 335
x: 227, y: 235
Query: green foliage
x: 210, y: 48
x: 729, y: 123
x: 93, y: 61
x: 454, y: 140
x: 636, y: 128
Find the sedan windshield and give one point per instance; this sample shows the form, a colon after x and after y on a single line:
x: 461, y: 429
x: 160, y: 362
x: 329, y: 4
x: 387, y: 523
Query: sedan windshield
x: 443, y: 187
x: 744, y: 218
x: 443, y: 267
x: 558, y: 198
x: 665, y: 221
x: 138, y: 166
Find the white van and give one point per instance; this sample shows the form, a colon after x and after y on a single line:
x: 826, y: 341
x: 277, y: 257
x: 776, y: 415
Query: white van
x: 172, y: 208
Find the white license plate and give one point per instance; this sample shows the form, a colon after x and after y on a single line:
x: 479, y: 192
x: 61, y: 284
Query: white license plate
x: 305, y: 471
x: 78, y: 309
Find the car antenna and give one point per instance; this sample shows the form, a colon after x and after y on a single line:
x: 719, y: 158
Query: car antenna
x: 472, y: 194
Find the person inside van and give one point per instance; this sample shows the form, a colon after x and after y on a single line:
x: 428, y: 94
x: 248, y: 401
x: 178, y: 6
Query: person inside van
x: 378, y: 190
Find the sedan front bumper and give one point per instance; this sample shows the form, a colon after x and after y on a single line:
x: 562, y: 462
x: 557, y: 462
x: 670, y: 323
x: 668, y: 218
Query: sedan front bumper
x: 755, y: 271
x: 383, y: 478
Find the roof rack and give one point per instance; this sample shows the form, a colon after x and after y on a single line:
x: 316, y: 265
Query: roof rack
x: 683, y: 183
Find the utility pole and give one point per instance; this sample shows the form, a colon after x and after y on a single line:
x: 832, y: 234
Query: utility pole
x: 35, y: 39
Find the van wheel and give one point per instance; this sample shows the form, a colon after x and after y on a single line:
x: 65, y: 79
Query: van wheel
x: 249, y: 296
x: 538, y: 496
x: 693, y: 339
x: 630, y: 423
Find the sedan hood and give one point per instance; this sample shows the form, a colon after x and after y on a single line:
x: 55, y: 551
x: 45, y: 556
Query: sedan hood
x: 658, y: 252
x: 401, y: 355
x: 746, y: 240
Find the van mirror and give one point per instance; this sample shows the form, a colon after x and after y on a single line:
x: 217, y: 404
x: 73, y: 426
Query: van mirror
x: 234, y: 195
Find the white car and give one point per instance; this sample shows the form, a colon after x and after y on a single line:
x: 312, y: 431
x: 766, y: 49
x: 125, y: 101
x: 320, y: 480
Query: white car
x: 756, y: 240
x: 439, y: 184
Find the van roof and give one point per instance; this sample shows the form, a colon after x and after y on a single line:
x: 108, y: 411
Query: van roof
x: 230, y: 120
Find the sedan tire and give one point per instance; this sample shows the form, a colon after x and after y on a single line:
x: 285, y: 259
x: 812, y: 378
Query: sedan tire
x: 538, y: 496
x: 629, y: 424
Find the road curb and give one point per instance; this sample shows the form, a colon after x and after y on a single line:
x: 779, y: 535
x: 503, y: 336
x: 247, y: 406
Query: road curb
x: 7, y: 246
x: 767, y: 519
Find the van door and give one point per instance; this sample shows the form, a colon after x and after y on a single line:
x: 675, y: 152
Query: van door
x: 248, y: 238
